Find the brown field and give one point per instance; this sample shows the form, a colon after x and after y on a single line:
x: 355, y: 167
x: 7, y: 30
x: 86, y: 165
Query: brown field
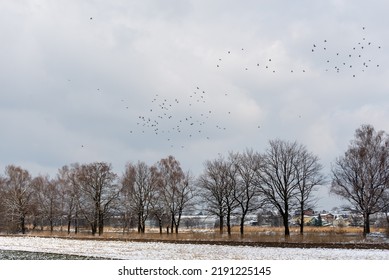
x: 334, y: 237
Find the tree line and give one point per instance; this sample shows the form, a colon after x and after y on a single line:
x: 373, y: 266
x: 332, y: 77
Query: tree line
x: 283, y: 178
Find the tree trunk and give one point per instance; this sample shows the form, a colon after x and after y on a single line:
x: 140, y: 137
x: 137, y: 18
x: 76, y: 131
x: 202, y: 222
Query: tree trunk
x: 302, y: 222
x: 242, y: 218
x: 228, y: 224
x: 139, y: 224
x: 221, y: 225
x: 366, y: 224
x: 69, y: 224
x: 101, y: 224
x: 177, y: 222
x: 93, y: 229
x: 172, y: 223
x: 176, y: 228
x: 286, y: 224
x: 76, y: 223
x: 51, y: 225
x: 22, y: 224
x: 34, y: 224
x: 160, y: 225
x: 143, y: 229
x: 285, y: 218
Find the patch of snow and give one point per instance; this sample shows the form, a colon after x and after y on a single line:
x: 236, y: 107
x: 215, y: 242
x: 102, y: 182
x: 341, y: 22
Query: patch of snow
x: 168, y: 251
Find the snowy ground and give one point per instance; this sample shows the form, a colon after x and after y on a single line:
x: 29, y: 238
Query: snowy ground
x: 166, y: 251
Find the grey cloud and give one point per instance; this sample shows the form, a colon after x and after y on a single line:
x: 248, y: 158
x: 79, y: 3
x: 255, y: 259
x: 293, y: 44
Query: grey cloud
x: 73, y: 88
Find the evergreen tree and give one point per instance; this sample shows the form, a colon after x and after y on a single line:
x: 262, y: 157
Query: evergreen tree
x: 319, y: 221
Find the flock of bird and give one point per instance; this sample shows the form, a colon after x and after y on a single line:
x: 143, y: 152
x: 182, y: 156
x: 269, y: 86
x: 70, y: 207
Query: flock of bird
x: 265, y: 65
x: 355, y: 59
x: 189, y: 116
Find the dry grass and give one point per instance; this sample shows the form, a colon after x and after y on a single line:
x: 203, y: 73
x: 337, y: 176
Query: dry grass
x: 252, y: 234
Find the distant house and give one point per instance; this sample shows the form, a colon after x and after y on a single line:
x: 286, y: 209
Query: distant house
x: 327, y: 218
x: 309, y: 212
x: 310, y: 220
x: 340, y: 221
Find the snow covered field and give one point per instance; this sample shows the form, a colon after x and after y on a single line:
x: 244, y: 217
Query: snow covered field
x: 165, y: 251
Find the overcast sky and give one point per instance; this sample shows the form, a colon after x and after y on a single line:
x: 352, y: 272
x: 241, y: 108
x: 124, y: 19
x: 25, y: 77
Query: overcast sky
x: 120, y: 81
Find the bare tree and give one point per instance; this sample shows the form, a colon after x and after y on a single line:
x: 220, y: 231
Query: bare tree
x: 159, y: 209
x: 124, y: 208
x: 69, y: 194
x: 216, y: 189
x: 176, y: 188
x: 246, y: 191
x: 46, y: 199
x: 309, y: 175
x: 212, y: 186
x: 384, y: 201
x: 18, y: 195
x: 98, y: 192
x: 278, y: 177
x: 230, y: 193
x: 139, y: 182
x: 361, y: 175
x: 3, y: 212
